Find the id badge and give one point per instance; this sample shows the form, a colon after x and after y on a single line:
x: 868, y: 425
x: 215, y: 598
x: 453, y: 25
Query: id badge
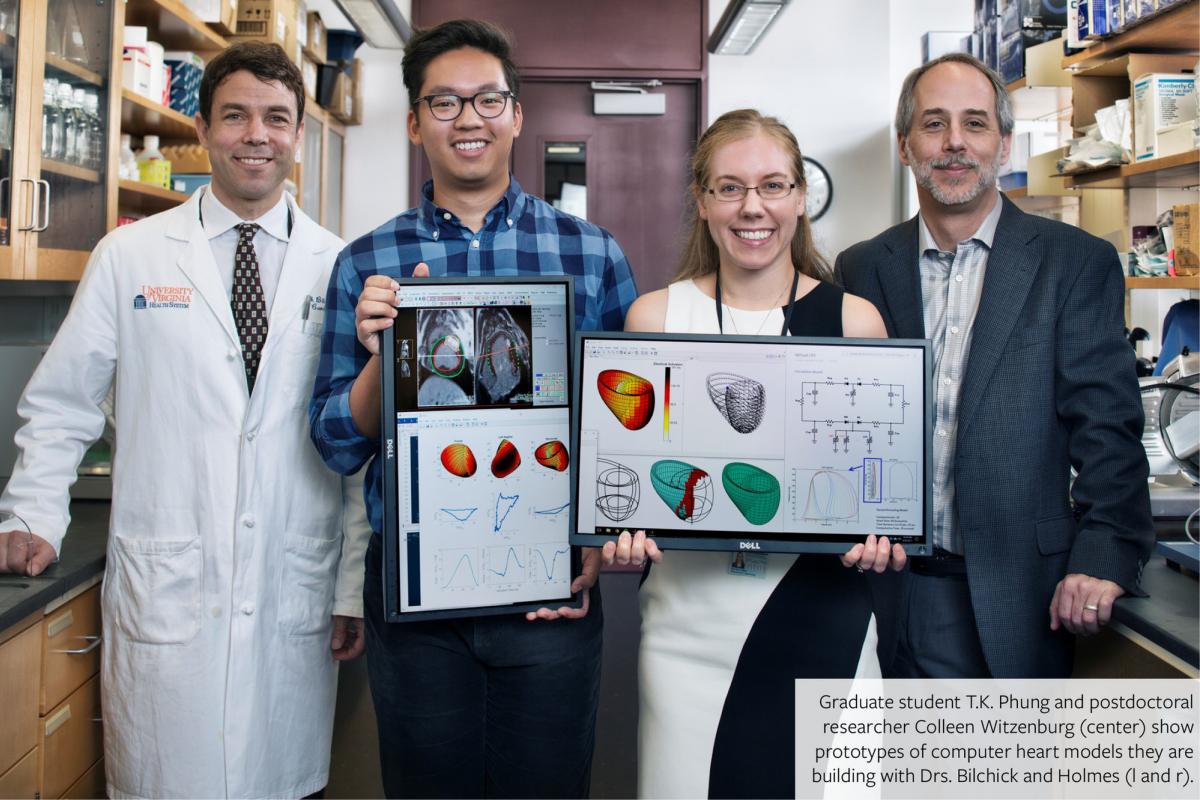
x: 749, y: 565
x: 312, y: 316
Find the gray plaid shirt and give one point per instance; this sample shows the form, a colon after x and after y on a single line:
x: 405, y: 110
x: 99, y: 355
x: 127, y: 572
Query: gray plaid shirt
x: 951, y: 283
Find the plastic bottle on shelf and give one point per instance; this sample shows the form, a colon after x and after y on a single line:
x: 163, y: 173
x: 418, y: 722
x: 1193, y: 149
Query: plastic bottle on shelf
x: 6, y: 109
x: 64, y: 129
x: 96, y: 134
x: 50, y: 115
x: 128, y: 168
x: 82, y: 151
x: 152, y: 166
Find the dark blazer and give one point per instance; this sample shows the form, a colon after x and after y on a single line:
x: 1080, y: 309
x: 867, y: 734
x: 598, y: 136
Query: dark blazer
x: 1049, y: 385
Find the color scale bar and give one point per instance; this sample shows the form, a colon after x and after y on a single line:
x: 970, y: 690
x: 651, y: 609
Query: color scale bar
x: 667, y: 407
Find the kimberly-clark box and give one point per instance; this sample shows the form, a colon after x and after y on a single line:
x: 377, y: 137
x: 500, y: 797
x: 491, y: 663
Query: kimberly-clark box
x: 1160, y: 100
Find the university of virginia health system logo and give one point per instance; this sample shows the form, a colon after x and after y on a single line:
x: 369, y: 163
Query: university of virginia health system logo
x: 163, y: 297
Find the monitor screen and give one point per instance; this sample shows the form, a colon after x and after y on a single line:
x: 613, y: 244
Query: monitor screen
x: 762, y: 443
x: 479, y: 492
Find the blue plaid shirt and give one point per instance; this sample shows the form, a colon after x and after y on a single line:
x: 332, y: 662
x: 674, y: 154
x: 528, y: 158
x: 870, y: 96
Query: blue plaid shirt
x: 522, y: 235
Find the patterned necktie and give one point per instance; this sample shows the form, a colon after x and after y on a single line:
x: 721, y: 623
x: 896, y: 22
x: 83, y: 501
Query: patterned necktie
x: 248, y: 302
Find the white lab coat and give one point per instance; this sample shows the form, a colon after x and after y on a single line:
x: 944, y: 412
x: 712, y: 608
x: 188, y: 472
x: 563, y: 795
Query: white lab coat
x: 227, y: 529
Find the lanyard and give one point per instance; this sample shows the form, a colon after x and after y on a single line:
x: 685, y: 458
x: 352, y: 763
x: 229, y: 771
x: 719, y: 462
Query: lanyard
x: 787, y: 317
x: 290, y: 221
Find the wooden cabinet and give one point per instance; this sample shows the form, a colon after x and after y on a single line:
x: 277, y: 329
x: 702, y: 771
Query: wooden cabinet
x: 55, y: 206
x: 21, y: 780
x: 20, y: 664
x: 89, y: 786
x: 70, y: 648
x: 56, y: 154
x: 51, y: 738
x: 71, y: 739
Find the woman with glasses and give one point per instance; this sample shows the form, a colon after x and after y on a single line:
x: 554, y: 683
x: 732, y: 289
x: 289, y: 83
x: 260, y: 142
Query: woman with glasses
x: 724, y: 637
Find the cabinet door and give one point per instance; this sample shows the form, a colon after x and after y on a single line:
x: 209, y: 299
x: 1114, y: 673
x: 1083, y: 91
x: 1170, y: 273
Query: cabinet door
x: 19, y: 664
x: 74, y: 197
x: 310, y: 167
x: 14, y: 69
x: 71, y: 739
x: 334, y: 156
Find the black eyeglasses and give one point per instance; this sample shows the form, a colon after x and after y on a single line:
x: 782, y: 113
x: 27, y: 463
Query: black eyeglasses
x: 447, y: 107
x: 734, y: 192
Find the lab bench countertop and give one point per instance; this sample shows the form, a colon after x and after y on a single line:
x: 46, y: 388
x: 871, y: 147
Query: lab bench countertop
x: 1169, y: 616
x: 82, y: 558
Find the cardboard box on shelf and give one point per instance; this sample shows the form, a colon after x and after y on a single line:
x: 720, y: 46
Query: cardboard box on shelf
x: 266, y: 21
x: 221, y: 15
x: 308, y: 69
x: 135, y: 71
x: 1187, y: 238
x: 345, y: 100
x: 301, y: 21
x: 1175, y: 139
x: 1160, y: 100
x: 341, y: 104
x: 315, y: 42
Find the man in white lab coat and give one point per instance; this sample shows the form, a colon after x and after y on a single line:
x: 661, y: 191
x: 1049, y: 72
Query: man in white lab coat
x: 234, y: 571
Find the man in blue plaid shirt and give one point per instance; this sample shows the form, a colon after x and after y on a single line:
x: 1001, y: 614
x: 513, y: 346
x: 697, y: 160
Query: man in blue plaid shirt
x: 494, y: 706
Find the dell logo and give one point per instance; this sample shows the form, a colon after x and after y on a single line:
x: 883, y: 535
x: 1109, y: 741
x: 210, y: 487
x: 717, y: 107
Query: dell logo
x: 391, y: 449
x: 749, y: 546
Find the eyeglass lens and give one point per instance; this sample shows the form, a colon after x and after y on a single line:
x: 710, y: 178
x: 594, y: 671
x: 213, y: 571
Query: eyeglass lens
x: 486, y: 104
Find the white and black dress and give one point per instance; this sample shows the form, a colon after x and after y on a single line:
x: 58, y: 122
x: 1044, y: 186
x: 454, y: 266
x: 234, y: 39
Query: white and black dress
x: 722, y: 644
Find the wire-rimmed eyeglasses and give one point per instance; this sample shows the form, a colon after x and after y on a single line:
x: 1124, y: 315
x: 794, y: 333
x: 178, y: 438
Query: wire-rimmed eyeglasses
x: 735, y: 192
x: 447, y: 107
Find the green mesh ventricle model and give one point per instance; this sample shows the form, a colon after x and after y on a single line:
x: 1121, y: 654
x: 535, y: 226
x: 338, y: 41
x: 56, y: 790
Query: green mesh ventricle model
x: 754, y: 491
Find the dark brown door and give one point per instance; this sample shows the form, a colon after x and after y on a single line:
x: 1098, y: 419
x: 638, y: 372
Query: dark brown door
x: 635, y: 166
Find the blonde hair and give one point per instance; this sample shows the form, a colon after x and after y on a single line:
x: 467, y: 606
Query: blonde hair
x: 700, y: 255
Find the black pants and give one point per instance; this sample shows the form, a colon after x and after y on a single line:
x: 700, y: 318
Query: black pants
x: 487, y: 707
x: 938, y: 634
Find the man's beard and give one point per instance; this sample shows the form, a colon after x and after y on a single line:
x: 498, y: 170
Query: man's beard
x: 963, y: 192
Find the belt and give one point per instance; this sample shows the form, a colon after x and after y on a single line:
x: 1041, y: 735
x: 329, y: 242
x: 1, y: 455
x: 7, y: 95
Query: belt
x: 942, y: 564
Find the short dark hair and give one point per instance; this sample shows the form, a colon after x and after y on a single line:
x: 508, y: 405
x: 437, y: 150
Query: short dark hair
x: 428, y: 44
x: 265, y: 61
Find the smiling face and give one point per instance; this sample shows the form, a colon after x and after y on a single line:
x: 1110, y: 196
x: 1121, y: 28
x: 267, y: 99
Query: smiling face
x: 251, y: 142
x: 470, y: 153
x: 954, y: 145
x: 752, y: 233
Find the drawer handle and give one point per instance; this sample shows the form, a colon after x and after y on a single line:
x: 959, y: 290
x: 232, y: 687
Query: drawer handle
x: 58, y: 720
x: 94, y: 643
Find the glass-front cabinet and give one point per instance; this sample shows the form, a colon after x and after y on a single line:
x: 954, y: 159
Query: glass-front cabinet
x: 9, y: 27
x: 319, y: 175
x: 334, y: 155
x: 60, y: 60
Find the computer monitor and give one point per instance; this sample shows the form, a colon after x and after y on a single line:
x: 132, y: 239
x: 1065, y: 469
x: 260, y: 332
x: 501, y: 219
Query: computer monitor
x: 475, y: 380
x: 759, y: 443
